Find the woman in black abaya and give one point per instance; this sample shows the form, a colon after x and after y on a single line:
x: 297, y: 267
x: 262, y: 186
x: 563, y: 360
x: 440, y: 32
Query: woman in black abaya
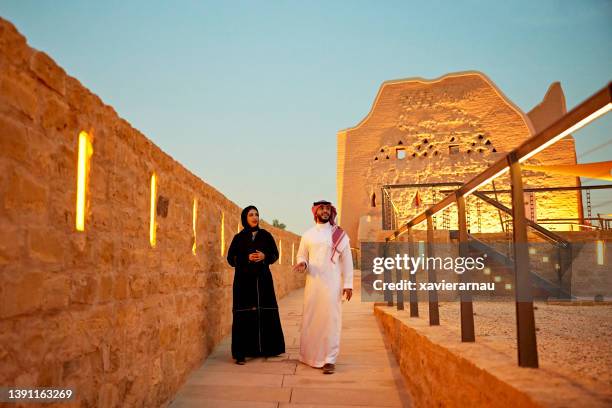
x: 256, y: 326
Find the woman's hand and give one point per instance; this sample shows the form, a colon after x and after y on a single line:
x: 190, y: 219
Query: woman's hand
x: 257, y: 256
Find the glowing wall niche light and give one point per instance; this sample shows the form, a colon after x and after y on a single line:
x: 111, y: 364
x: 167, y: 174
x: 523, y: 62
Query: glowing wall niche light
x: 85, y: 150
x: 152, y: 223
x: 600, y: 252
x: 222, y: 233
x: 280, y: 252
x: 194, y: 221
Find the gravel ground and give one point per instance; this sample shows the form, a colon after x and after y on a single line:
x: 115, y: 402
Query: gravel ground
x: 572, y: 340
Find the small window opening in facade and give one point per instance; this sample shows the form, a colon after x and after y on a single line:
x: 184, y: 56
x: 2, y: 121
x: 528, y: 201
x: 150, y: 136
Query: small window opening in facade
x: 452, y: 139
x: 488, y: 142
x: 400, y: 143
x: 453, y: 149
x: 376, y: 158
x: 480, y: 137
x: 373, y: 200
x: 382, y: 150
x: 400, y: 154
x: 425, y: 141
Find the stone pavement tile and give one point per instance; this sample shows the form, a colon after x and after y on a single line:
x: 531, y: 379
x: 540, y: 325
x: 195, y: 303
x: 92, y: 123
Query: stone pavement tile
x: 252, y: 366
x: 291, y: 405
x: 235, y: 378
x: 345, y: 396
x: 339, y: 380
x: 235, y: 393
x: 357, y: 370
x: 208, y: 403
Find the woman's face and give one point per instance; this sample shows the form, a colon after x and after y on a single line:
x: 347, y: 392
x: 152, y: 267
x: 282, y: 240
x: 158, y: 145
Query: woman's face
x: 252, y: 217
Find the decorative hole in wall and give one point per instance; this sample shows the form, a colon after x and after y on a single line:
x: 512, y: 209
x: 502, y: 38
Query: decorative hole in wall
x: 480, y: 137
x: 425, y: 154
x: 453, y: 149
x: 387, y: 157
x: 488, y: 142
x: 452, y: 139
x: 435, y: 153
x: 494, y: 150
x: 425, y: 141
x: 431, y: 146
x: 382, y: 150
x: 468, y: 151
x: 400, y: 154
x: 400, y: 143
x: 414, y: 154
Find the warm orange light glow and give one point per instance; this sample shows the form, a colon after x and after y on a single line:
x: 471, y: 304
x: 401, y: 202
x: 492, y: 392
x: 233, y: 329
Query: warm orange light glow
x: 280, y: 252
x: 222, y: 233
x: 152, y: 223
x: 85, y: 151
x: 195, y: 220
x: 292, y: 253
x: 600, y: 252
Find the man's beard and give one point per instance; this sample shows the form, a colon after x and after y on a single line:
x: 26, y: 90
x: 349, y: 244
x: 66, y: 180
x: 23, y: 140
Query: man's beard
x: 321, y: 220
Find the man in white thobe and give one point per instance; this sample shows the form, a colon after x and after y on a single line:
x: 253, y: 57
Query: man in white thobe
x: 325, y: 253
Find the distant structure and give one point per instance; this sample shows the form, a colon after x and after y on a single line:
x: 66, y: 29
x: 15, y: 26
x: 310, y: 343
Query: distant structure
x: 423, y: 134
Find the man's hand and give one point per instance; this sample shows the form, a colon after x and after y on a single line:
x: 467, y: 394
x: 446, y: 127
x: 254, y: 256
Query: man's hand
x: 348, y: 293
x: 301, y: 267
x: 257, y: 256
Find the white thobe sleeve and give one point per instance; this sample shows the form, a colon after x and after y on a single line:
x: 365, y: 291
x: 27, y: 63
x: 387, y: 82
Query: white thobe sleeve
x: 302, y: 253
x: 346, y: 266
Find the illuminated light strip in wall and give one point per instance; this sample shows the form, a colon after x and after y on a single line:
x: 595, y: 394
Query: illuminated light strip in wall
x: 85, y: 151
x: 280, y: 252
x: 600, y: 252
x: 222, y: 233
x: 292, y: 253
x: 195, y: 220
x: 601, y: 111
x: 152, y: 223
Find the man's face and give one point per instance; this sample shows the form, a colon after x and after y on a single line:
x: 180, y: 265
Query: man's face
x: 323, y: 213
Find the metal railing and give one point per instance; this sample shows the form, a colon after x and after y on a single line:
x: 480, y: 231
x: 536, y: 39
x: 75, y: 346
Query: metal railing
x: 597, y: 105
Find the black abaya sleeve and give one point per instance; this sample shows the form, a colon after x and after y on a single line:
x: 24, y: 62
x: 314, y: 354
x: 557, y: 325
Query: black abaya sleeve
x: 233, y: 253
x: 270, y: 250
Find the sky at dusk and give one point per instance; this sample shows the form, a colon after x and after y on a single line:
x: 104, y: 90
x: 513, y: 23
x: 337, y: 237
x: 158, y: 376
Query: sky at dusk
x: 249, y: 96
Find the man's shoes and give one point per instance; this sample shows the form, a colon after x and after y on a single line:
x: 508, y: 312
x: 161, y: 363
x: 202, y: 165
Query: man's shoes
x: 329, y: 368
x: 240, y: 361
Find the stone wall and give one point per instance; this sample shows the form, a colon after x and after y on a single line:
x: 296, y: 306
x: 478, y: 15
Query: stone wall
x: 439, y: 131
x: 103, y: 311
x: 441, y: 371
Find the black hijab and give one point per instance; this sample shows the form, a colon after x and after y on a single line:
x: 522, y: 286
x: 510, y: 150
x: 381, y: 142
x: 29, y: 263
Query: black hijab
x: 243, y: 219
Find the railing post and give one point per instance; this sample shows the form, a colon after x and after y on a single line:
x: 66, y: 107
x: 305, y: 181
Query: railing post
x: 467, y: 311
x: 398, y: 278
x: 434, y: 314
x: 387, y: 277
x: 414, y: 299
x: 525, y: 320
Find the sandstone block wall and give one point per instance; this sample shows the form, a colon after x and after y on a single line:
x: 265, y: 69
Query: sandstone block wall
x: 103, y: 311
x: 444, y: 130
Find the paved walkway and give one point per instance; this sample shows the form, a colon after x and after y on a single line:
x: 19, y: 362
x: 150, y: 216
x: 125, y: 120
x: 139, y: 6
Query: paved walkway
x: 366, y: 371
